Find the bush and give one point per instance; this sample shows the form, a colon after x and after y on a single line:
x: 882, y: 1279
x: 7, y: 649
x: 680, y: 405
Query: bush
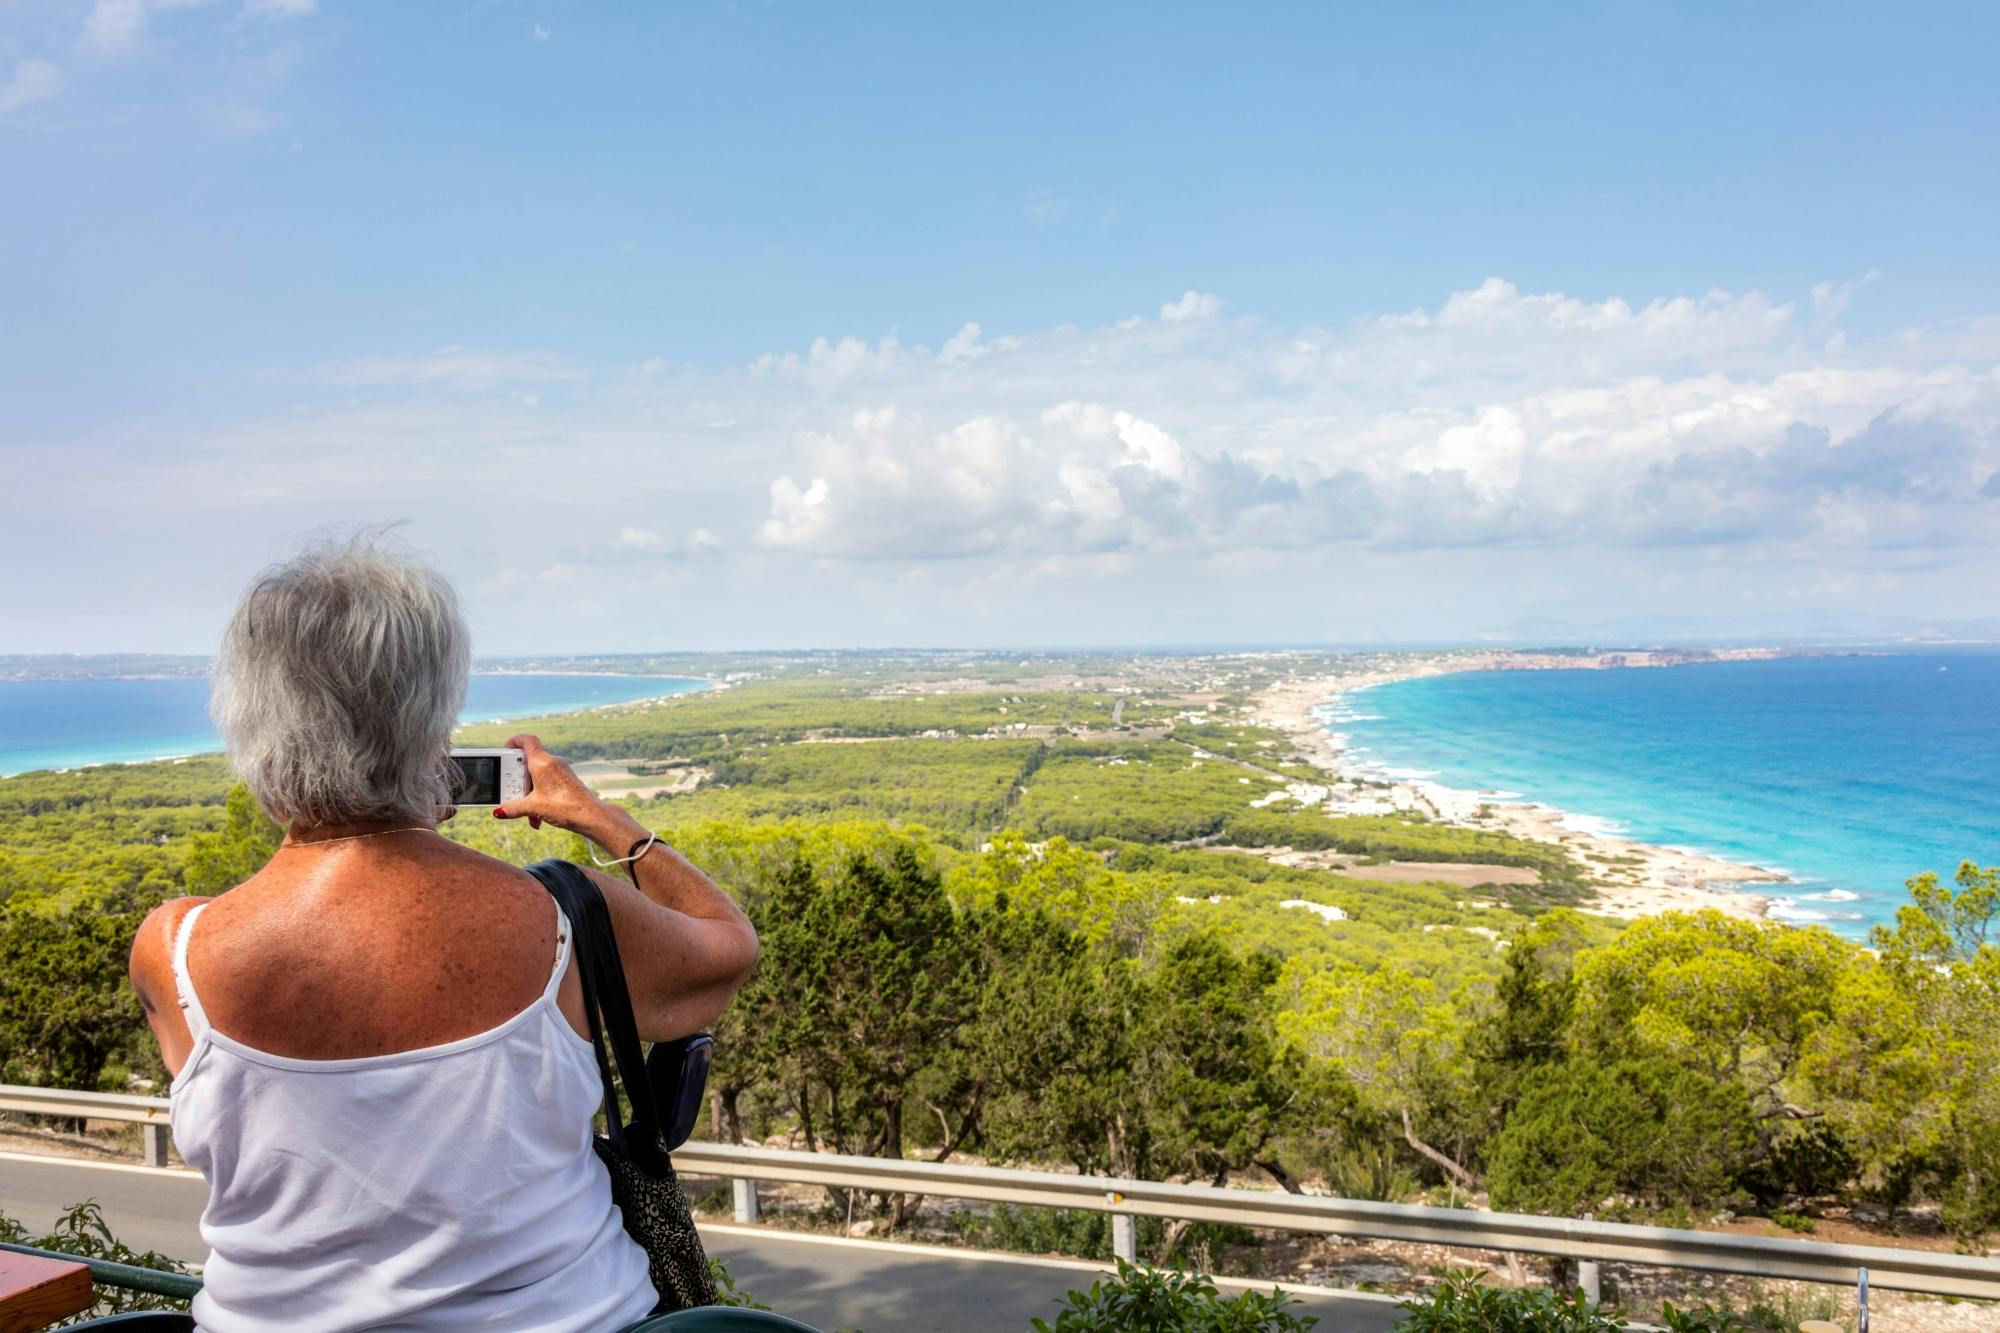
x: 1790, y: 1221
x: 1152, y: 1300
x: 1371, y: 1170
x: 1646, y: 1128
x: 1708, y: 1319
x: 1459, y: 1304
x: 1805, y: 1160
x: 725, y: 1288
x: 1026, y: 1229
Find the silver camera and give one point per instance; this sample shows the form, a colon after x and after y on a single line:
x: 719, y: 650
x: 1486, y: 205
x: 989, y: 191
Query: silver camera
x: 489, y: 777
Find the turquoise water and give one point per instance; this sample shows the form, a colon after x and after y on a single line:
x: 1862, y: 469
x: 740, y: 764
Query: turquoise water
x: 70, y: 723
x: 1850, y: 774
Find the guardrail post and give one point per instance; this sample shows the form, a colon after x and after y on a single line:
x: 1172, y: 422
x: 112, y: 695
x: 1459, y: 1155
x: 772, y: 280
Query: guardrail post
x: 1589, y: 1278
x: 745, y: 1192
x: 1125, y: 1237
x: 156, y: 1144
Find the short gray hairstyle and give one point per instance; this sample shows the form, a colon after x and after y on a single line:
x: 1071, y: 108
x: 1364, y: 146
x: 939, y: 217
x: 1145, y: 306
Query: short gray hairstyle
x: 340, y: 678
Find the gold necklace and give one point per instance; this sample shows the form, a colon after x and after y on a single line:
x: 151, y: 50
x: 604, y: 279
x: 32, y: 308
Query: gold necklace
x: 350, y: 837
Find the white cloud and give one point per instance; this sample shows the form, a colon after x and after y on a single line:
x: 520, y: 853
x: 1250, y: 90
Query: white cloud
x: 1192, y: 305
x: 33, y: 80
x: 541, y: 33
x: 1496, y: 454
x: 699, y: 544
x: 115, y: 28
x: 1499, y: 418
x: 449, y: 367
x: 1830, y: 299
x: 1709, y: 451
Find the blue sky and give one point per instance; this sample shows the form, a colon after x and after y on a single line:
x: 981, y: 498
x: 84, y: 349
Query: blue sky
x: 1292, y: 322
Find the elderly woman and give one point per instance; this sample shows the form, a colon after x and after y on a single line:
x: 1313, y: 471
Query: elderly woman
x: 378, y: 1040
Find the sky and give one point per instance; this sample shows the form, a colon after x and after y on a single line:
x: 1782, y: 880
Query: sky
x: 704, y: 326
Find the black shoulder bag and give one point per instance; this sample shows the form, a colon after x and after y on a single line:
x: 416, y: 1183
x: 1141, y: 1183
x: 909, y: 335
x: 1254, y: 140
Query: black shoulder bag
x: 643, y: 1184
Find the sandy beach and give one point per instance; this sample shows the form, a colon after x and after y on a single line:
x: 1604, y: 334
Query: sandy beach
x: 1633, y: 878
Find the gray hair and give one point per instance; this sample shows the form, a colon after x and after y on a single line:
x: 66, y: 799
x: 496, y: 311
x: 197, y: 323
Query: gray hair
x: 340, y: 678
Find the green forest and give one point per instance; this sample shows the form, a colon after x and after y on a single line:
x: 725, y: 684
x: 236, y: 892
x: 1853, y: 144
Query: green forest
x: 1039, y: 922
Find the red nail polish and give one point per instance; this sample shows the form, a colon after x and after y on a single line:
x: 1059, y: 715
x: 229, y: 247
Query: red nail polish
x: 499, y: 813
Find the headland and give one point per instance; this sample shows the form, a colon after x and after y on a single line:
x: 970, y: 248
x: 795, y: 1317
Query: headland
x: 1635, y: 878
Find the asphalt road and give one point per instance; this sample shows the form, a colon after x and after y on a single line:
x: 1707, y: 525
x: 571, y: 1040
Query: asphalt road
x: 829, y: 1282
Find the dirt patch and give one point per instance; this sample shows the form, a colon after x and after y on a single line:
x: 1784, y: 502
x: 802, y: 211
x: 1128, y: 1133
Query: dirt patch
x: 609, y: 779
x: 1465, y: 875
x: 1462, y: 874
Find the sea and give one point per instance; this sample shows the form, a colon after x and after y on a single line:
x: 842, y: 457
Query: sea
x: 1849, y: 774
x: 73, y: 723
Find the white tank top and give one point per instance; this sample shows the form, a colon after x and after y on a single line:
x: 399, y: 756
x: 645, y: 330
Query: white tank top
x: 449, y: 1187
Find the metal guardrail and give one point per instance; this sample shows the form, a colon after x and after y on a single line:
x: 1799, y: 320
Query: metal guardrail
x: 1928, y: 1271
x: 84, y: 1105
x: 149, y: 1112
x: 1606, y: 1242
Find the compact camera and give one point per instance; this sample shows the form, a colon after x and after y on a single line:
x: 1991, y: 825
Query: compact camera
x: 489, y: 777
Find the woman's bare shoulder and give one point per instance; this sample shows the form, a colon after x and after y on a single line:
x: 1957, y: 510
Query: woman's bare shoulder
x: 153, y: 945
x: 472, y: 863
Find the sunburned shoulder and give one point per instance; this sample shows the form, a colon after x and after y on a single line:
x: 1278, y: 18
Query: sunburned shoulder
x: 476, y: 865
x: 153, y: 945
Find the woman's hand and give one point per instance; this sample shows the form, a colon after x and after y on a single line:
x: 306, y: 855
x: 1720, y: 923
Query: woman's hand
x: 557, y: 794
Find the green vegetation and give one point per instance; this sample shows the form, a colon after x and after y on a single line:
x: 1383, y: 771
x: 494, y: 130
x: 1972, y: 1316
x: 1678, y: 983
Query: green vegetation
x: 1140, y: 1299
x: 955, y: 787
x: 1460, y: 1304
x: 1404, y: 838
x: 1037, y: 916
x: 701, y: 727
x: 1081, y: 1233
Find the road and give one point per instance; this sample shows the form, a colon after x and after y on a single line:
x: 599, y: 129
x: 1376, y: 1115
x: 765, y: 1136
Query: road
x: 829, y: 1282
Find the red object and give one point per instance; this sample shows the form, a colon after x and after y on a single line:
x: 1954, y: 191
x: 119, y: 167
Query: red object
x: 35, y: 1292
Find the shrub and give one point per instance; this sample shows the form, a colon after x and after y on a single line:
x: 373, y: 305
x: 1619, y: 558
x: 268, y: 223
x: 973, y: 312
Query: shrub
x: 1586, y: 1132
x: 1460, y: 1304
x: 1039, y: 1230
x: 725, y: 1288
x: 1707, y: 1319
x: 1030, y: 1230
x: 1153, y: 1300
x: 1790, y: 1221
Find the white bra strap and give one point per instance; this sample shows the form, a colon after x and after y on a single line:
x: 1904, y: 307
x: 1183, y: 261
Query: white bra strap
x: 197, y: 1018
x: 563, y: 933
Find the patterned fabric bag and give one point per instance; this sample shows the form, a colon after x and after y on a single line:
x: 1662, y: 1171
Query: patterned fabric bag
x: 643, y: 1184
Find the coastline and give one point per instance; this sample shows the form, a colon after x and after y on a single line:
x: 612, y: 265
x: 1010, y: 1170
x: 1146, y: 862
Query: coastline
x: 182, y: 754
x: 1631, y: 878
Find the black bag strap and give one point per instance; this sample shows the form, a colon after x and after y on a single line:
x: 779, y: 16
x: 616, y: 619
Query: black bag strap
x: 608, y: 1004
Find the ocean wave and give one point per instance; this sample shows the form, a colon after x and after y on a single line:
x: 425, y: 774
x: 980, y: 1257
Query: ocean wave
x: 1835, y: 896
x: 1788, y: 909
x: 1595, y: 824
